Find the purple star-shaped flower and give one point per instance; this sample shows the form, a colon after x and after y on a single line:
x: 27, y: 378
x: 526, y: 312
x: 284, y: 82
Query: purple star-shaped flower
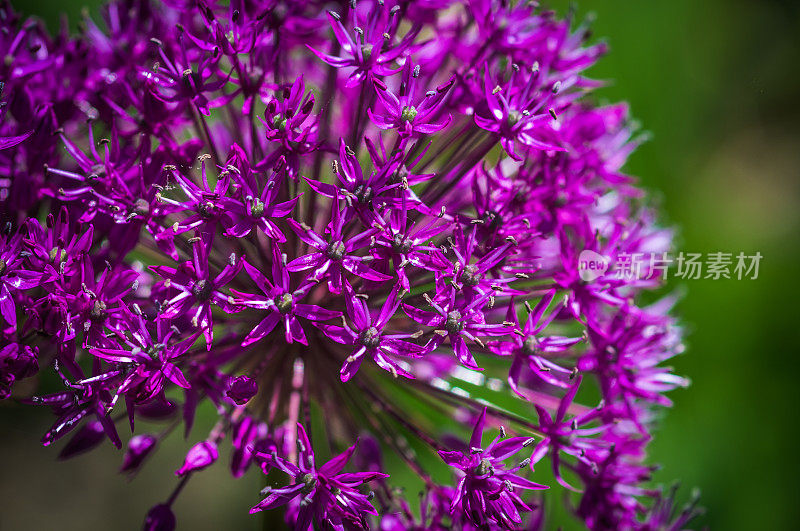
x: 14, y: 276
x: 197, y: 286
x: 362, y: 193
x: 458, y: 321
x: 515, y: 112
x: 567, y: 435
x: 151, y: 357
x: 373, y: 50
x: 367, y: 336
x: 281, y: 302
x: 487, y: 490
x: 253, y: 208
x: 334, y: 254
x: 202, y: 207
x: 407, y: 243
x: 327, y: 495
x: 287, y: 118
x: 404, y: 111
x: 528, y: 349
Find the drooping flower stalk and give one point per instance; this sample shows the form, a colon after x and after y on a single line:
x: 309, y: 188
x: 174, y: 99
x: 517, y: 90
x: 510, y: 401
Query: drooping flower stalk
x: 369, y: 211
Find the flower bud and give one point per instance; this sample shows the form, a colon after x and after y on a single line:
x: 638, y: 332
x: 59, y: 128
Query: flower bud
x: 199, y: 457
x: 242, y: 388
x: 139, y: 447
x: 159, y: 518
x: 87, y: 438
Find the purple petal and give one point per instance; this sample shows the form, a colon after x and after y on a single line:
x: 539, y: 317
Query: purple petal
x: 335, y: 465
x: 477, y: 432
x: 314, y: 312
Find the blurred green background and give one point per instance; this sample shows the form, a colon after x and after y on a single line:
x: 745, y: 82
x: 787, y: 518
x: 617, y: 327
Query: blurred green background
x: 717, y: 84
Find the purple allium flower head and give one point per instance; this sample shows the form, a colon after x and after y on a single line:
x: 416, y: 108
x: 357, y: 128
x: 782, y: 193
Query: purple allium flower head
x: 366, y: 223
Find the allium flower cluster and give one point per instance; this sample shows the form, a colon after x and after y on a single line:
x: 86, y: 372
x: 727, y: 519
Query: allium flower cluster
x: 360, y: 220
